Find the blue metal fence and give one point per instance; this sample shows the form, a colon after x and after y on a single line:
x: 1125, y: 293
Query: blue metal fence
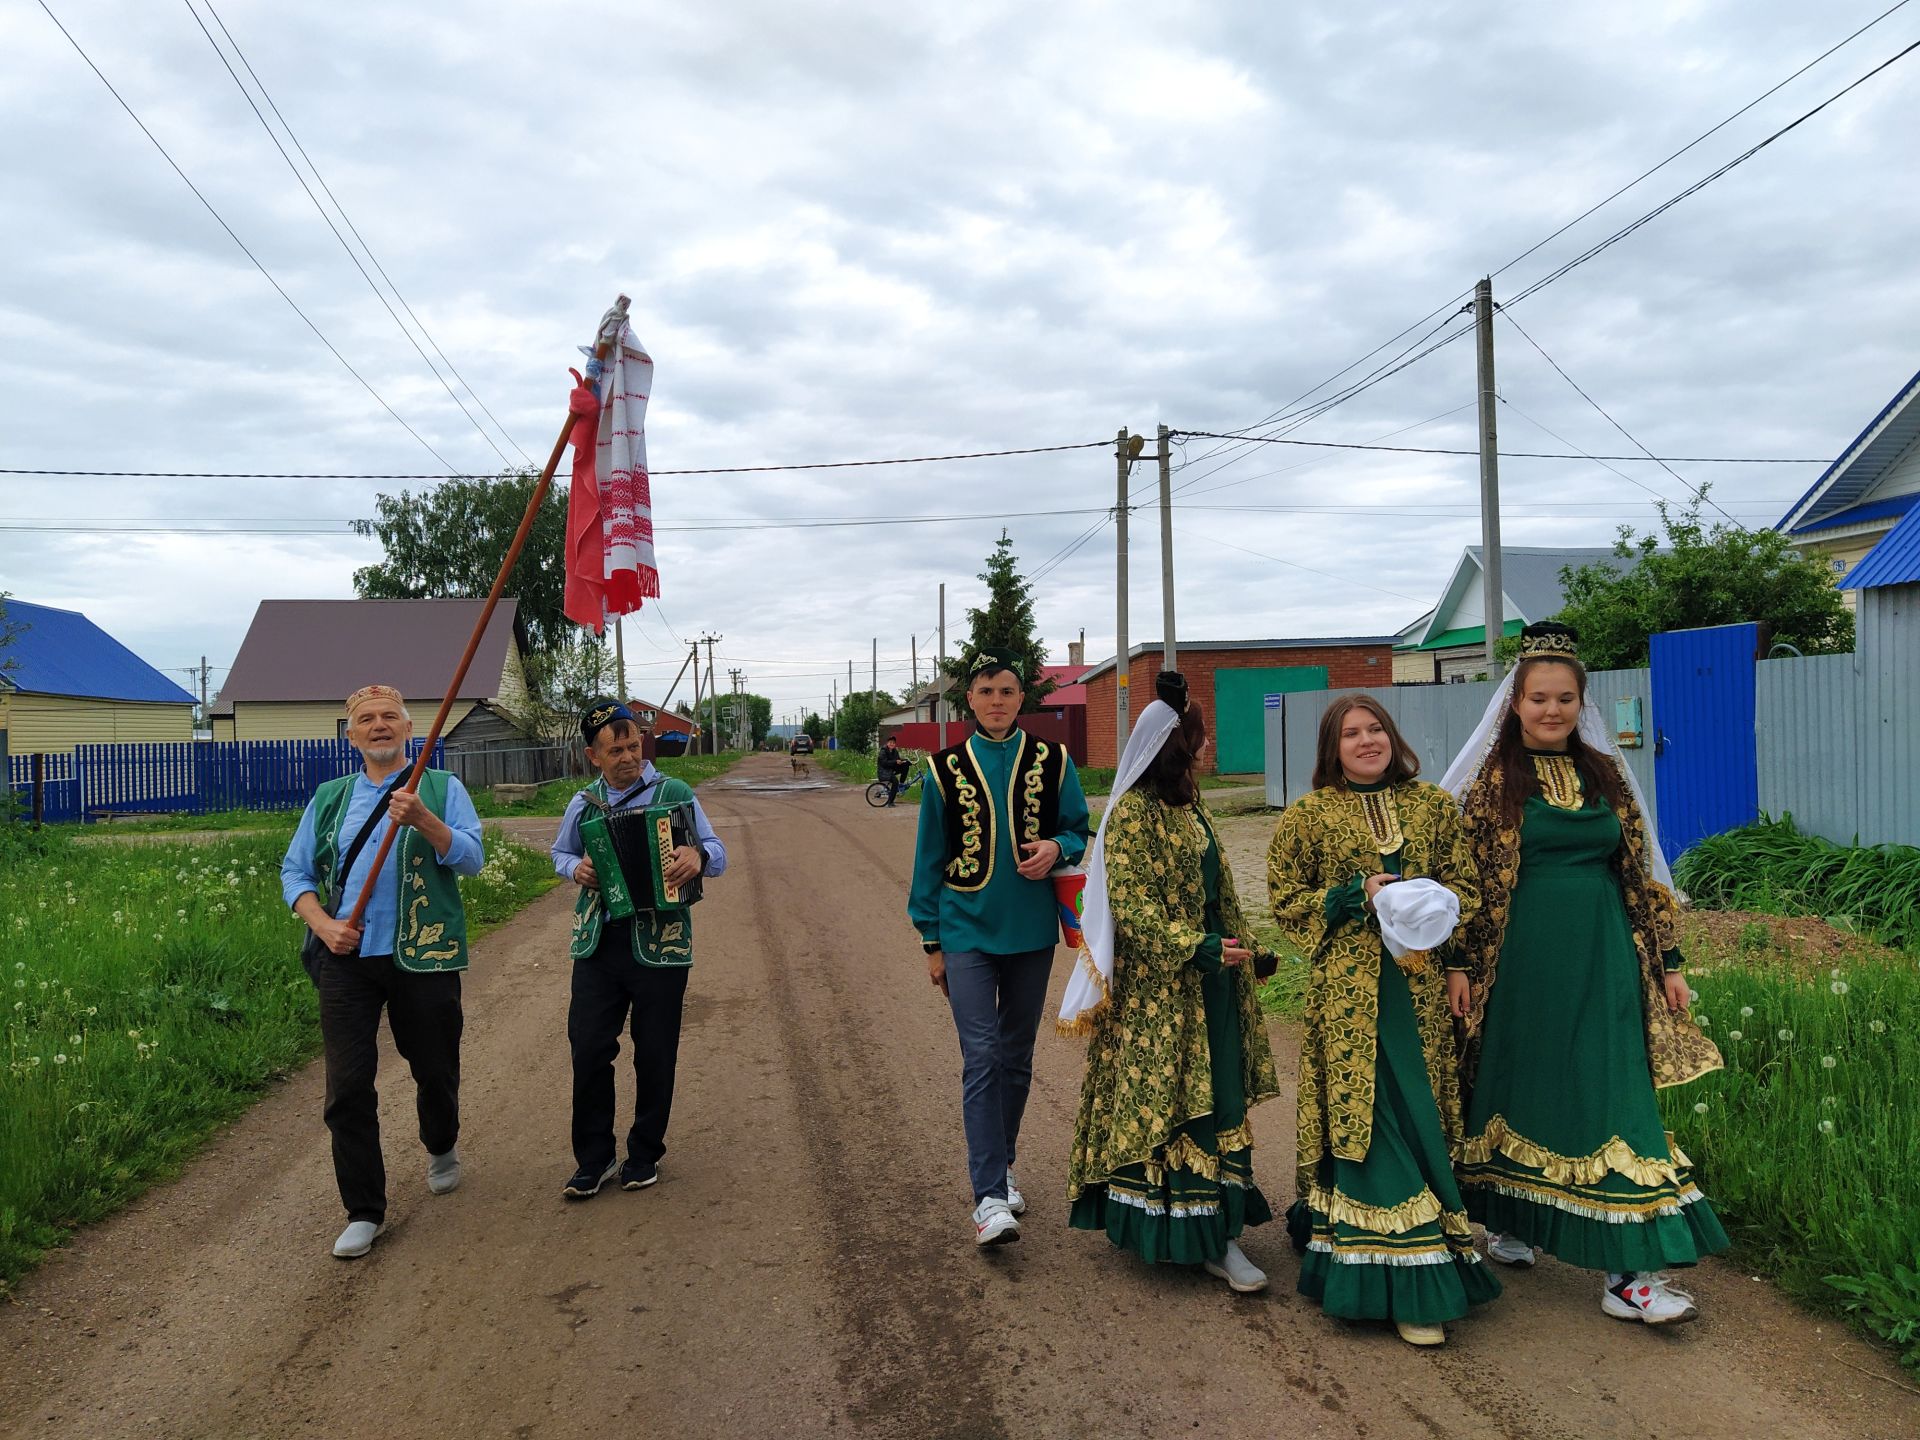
x: 197, y: 778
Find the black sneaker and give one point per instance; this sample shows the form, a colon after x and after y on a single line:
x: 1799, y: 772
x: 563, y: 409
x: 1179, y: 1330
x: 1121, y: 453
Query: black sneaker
x: 586, y: 1182
x: 638, y: 1175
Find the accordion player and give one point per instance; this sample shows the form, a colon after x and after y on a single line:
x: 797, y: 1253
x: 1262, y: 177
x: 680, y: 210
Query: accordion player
x: 631, y: 849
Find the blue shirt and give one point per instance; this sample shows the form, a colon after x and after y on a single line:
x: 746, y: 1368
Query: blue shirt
x: 569, y: 850
x: 381, y: 922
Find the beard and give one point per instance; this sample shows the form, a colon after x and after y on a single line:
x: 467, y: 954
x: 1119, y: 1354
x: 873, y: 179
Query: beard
x: 383, y: 754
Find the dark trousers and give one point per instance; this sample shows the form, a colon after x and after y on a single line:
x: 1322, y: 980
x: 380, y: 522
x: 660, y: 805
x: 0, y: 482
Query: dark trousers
x: 611, y: 988
x: 424, y: 1013
x: 997, y: 1001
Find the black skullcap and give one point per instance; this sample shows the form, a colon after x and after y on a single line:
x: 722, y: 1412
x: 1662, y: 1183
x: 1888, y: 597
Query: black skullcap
x: 600, y: 714
x: 989, y: 660
x: 1171, y: 687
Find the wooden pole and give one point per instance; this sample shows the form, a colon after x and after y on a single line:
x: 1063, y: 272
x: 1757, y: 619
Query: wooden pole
x: 601, y: 347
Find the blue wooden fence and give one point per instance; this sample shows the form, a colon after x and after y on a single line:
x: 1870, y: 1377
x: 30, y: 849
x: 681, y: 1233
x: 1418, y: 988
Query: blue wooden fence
x: 197, y: 778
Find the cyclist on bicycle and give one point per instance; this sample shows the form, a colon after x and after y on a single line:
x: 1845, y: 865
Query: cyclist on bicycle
x: 892, y: 768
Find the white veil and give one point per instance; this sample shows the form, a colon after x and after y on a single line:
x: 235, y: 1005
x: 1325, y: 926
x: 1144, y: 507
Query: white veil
x: 1092, y: 979
x: 1467, y: 765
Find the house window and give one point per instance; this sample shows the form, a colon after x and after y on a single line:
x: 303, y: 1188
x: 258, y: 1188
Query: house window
x: 339, y: 729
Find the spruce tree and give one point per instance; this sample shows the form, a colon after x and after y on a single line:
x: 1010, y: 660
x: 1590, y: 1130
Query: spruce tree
x: 1006, y: 623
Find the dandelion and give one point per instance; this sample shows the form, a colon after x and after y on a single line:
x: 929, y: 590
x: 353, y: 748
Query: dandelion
x: 33, y: 1059
x: 1734, y: 1035
x: 1826, y: 1127
x: 179, y: 914
x: 1879, y: 1027
x: 1829, y: 1099
x: 1703, y: 1022
x: 1827, y: 1062
x: 133, y: 1034
x: 60, y: 1059
x: 1746, y: 1012
x: 19, y: 964
x: 93, y: 1009
x: 73, y: 1040
x: 1786, y: 1034
x: 1699, y: 1107
x: 1839, y: 987
x: 1834, y: 974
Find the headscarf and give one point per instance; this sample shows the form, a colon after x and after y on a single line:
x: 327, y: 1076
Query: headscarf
x: 1468, y: 765
x: 1092, y: 979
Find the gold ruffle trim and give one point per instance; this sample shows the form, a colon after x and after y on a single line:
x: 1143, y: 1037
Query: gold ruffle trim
x: 1616, y: 1157
x: 1409, y: 1214
x: 1184, y: 1153
x: 1083, y: 1024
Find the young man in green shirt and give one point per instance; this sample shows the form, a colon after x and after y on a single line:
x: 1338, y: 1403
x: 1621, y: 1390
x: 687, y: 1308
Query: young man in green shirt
x: 1002, y: 810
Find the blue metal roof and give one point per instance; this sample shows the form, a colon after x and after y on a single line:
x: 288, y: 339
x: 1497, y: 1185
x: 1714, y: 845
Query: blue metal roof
x: 61, y: 652
x: 1894, y: 561
x: 1863, y: 462
x: 1894, y: 507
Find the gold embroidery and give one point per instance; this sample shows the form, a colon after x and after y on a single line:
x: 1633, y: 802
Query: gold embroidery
x: 1031, y: 791
x: 1382, y: 819
x: 1560, y: 784
x: 1616, y: 1157
x: 1410, y: 1214
x: 967, y: 863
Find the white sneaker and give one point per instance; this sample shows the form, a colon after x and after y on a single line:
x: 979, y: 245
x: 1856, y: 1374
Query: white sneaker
x: 1240, y: 1273
x: 993, y: 1222
x: 1650, y: 1299
x: 356, y: 1240
x: 443, y: 1172
x: 1016, y: 1202
x: 1509, y: 1251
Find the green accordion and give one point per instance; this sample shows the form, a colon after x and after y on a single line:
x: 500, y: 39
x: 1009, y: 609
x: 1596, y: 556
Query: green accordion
x: 630, y: 850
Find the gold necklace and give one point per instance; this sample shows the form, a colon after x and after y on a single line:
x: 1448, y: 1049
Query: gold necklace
x: 1382, y: 818
x: 1560, y: 784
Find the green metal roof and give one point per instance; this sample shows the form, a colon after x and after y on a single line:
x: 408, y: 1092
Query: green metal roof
x: 1470, y: 635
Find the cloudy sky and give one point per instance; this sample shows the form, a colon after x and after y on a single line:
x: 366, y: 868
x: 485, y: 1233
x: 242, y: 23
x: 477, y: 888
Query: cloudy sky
x: 861, y: 230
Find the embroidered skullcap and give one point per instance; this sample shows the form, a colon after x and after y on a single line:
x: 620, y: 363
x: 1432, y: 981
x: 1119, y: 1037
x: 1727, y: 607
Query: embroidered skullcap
x: 1549, y: 640
x: 991, y: 659
x: 372, y: 692
x: 599, y: 715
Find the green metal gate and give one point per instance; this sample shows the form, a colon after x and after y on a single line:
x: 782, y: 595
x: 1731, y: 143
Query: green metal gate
x: 1240, y: 714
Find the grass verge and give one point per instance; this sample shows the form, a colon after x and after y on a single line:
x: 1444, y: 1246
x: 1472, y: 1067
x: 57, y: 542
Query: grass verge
x: 1809, y: 1141
x: 552, y: 797
x: 149, y: 994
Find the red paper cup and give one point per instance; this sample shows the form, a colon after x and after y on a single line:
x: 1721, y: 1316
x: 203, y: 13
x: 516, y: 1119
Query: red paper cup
x: 1069, y: 894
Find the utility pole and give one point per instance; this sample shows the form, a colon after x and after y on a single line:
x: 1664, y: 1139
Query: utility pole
x: 940, y: 675
x: 1170, y: 661
x: 706, y: 748
x: 849, y: 677
x: 205, y: 719
x: 915, y: 641
x: 1493, y: 602
x: 1123, y: 452
x: 713, y: 696
x: 876, y: 664
x: 619, y: 661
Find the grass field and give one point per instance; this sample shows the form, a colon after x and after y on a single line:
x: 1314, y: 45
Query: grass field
x: 149, y: 993
x: 552, y: 797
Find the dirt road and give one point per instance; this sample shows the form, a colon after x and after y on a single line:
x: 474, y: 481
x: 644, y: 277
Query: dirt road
x: 805, y: 1268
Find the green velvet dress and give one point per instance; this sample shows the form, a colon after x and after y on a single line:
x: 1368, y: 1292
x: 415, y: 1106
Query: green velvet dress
x: 1565, y: 1147
x: 1168, y: 1211
x: 1402, y: 1249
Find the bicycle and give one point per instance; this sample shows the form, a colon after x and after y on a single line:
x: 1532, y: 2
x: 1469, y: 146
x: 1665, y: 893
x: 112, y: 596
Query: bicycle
x: 878, y: 792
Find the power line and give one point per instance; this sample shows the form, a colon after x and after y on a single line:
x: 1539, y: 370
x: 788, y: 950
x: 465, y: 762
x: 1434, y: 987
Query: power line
x: 1296, y: 565
x: 241, y: 243
x: 1320, y: 460
x: 329, y: 219
x: 1584, y: 256
x: 472, y: 475
x: 1574, y: 453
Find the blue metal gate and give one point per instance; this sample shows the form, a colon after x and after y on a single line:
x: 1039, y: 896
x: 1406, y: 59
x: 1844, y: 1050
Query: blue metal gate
x: 1706, y: 761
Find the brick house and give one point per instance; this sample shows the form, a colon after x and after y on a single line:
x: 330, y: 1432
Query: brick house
x: 1231, y: 679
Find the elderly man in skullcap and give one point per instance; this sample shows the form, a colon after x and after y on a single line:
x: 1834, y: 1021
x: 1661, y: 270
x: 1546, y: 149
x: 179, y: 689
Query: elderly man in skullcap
x: 405, y: 956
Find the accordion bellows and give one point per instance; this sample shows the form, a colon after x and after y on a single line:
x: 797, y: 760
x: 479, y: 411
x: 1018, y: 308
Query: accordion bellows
x: 630, y: 850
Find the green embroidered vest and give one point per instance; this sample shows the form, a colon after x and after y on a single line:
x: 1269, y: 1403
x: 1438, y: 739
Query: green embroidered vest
x: 658, y: 938
x: 1031, y: 805
x: 431, y: 930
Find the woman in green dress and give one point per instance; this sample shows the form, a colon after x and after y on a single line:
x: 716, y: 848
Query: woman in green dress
x: 1574, y: 1010
x: 1379, y: 1220
x: 1162, y: 1152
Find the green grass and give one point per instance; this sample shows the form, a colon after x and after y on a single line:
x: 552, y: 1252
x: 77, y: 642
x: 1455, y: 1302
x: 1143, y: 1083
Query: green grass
x: 149, y: 993
x: 1283, y: 995
x: 1808, y: 1142
x: 1773, y: 868
x: 552, y: 797
x: 1098, y: 780
x: 219, y: 820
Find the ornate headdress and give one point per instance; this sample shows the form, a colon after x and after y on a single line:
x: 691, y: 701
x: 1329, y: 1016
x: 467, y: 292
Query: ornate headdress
x: 1549, y: 641
x: 1171, y: 687
x: 991, y: 659
x: 601, y: 714
x: 372, y: 692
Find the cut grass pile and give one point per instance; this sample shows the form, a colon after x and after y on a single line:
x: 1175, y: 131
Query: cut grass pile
x: 149, y: 993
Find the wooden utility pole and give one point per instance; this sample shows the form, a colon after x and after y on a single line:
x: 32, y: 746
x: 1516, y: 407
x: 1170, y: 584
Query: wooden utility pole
x: 704, y: 744
x: 1123, y: 453
x: 876, y: 665
x: 940, y: 674
x: 619, y: 661
x: 1493, y: 603
x: 1171, y: 660
x: 713, y: 691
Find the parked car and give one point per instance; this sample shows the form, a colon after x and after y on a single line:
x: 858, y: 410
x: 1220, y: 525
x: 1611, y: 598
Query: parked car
x: 802, y: 745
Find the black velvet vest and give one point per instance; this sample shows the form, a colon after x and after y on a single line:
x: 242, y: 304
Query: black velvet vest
x: 974, y: 814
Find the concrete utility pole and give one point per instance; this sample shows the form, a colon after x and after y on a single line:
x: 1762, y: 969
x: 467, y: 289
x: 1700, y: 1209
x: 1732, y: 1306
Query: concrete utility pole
x: 713, y: 691
x: 940, y: 675
x: 205, y: 719
x: 704, y: 744
x: 619, y: 662
x: 914, y: 640
x: 1493, y: 596
x: 1171, y: 660
x: 876, y: 664
x: 1123, y: 452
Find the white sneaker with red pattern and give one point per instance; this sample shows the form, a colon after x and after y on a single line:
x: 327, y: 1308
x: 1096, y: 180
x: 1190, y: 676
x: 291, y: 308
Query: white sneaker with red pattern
x: 1650, y: 1299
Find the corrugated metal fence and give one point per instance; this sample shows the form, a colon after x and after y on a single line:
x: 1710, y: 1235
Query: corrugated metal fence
x: 191, y: 778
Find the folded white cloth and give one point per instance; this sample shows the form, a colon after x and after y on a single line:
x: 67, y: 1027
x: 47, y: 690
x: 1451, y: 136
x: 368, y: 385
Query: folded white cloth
x: 1416, y: 915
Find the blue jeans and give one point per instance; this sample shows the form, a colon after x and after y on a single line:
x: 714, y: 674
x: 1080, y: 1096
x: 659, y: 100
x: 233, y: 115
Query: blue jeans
x: 997, y: 1001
